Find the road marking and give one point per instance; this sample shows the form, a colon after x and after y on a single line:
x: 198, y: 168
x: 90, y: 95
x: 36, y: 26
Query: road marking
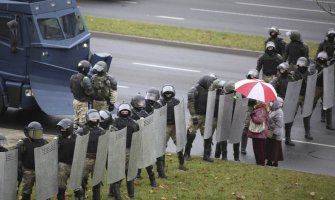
x: 313, y: 143
x: 165, y: 67
x: 122, y: 86
x: 281, y: 29
x: 262, y: 16
x: 281, y: 7
x: 321, y: 1
x: 132, y: 2
x: 168, y: 17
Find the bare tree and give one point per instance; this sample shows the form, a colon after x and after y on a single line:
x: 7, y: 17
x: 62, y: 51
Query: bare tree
x: 326, y: 5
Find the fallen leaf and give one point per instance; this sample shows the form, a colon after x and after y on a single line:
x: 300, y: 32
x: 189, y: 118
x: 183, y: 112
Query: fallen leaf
x: 240, y: 197
x: 151, y: 191
x: 174, y: 198
x: 162, y: 198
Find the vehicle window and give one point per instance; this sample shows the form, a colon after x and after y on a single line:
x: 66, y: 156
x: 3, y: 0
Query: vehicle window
x: 4, y: 30
x: 72, y: 25
x: 50, y: 29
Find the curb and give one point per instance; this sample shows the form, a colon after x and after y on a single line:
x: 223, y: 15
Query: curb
x: 201, y: 47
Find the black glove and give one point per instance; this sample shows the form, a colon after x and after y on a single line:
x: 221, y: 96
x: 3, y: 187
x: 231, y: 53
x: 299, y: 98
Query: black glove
x: 195, y: 120
x: 110, y: 107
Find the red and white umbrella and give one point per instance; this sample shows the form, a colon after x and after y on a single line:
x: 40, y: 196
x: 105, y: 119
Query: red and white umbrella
x: 256, y: 89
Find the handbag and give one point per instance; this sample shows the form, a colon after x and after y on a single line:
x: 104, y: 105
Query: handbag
x: 256, y: 128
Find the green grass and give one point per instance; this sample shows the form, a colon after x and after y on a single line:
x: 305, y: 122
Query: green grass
x: 158, y: 31
x: 229, y: 180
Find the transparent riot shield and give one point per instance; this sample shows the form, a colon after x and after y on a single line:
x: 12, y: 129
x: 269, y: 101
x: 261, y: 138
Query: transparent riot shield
x: 117, y: 156
x: 179, y: 114
x: 160, y: 123
x: 8, y: 174
x: 101, y: 158
x: 328, y: 87
x: 227, y: 116
x: 291, y: 100
x: 46, y: 170
x: 209, y: 114
x: 309, y: 95
x: 220, y: 118
x: 135, y: 153
x: 237, y: 125
x: 148, y: 156
x: 78, y: 162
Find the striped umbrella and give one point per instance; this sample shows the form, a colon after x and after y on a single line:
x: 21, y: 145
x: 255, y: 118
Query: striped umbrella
x: 256, y: 89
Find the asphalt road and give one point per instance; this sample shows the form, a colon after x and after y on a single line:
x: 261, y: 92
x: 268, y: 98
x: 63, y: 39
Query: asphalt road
x: 139, y: 66
x: 239, y: 16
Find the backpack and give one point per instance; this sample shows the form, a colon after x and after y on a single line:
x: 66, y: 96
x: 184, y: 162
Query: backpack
x: 101, y: 85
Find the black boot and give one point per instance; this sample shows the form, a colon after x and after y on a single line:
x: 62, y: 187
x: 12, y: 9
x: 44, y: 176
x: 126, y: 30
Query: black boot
x: 307, y: 126
x: 111, y: 190
x: 79, y: 194
x: 181, y: 161
x: 288, y: 135
x: 269, y: 163
x: 25, y: 196
x: 188, y: 146
x: 224, y: 150
x: 217, y: 153
x: 160, y: 167
x: 152, y: 178
x: 61, y: 194
x: 96, y: 192
x: 329, y: 119
x: 323, y: 115
x: 207, y: 150
x: 84, y: 185
x: 116, y: 190
x: 130, y: 189
x: 244, y: 142
x: 236, y: 148
x: 139, y: 174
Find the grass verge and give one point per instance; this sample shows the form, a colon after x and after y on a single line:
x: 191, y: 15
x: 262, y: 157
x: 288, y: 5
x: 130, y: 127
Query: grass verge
x: 158, y: 31
x: 230, y: 181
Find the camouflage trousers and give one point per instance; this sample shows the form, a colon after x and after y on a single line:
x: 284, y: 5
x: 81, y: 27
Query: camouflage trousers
x: 80, y: 110
x: 171, y: 133
x: 269, y: 78
x: 127, y: 157
x: 64, y: 171
x: 100, y: 105
x: 192, y: 128
x: 89, y: 167
x: 28, y: 181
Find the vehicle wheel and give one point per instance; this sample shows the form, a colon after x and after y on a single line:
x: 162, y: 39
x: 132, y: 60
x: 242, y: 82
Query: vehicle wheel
x: 3, y: 108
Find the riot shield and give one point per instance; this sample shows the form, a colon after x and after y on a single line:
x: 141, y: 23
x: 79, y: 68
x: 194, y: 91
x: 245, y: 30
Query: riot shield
x: 227, y: 116
x: 239, y: 116
x: 179, y: 115
x: 328, y: 87
x: 78, y: 163
x: 220, y: 118
x: 291, y: 100
x: 309, y: 95
x: 148, y: 156
x: 116, y: 156
x: 8, y: 174
x: 160, y: 122
x: 210, y: 107
x: 135, y: 152
x: 101, y: 158
x: 46, y: 170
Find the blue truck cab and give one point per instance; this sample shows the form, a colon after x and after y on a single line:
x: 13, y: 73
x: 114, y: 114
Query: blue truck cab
x: 41, y: 43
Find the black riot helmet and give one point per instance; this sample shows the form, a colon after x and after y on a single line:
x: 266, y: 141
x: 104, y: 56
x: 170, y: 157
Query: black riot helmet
x: 34, y: 130
x: 252, y: 74
x: 92, y: 117
x: 331, y: 35
x: 152, y: 94
x: 206, y: 81
x: 322, y: 58
x: 105, y: 119
x: 295, y: 36
x: 124, y: 110
x: 65, y: 126
x: 274, y: 32
x: 84, y: 67
x: 168, y: 91
x: 138, y: 102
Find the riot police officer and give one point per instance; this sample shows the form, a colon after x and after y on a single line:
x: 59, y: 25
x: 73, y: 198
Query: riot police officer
x: 280, y: 84
x: 66, y: 144
x: 26, y: 146
x: 138, y: 104
x: 106, y: 119
x: 168, y: 98
x: 278, y: 41
x: 151, y: 100
x: 3, y: 143
x: 269, y: 62
x: 121, y: 121
x: 94, y: 131
x: 197, y: 102
x: 295, y: 49
x: 328, y: 45
x: 82, y: 91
